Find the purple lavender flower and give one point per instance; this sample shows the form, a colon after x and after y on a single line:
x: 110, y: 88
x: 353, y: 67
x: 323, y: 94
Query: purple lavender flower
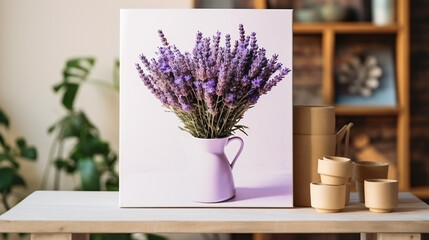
x: 186, y: 107
x: 197, y: 86
x: 163, y: 39
x: 216, y: 41
x: 253, y: 97
x: 198, y: 89
x: 179, y: 82
x: 228, y: 42
x: 242, y: 32
x: 245, y: 80
x: 210, y: 86
x: 257, y: 82
x: 230, y: 97
x: 273, y: 82
x: 253, y: 44
x: 188, y: 80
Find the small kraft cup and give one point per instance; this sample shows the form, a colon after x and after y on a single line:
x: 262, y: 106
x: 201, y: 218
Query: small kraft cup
x: 334, y: 170
x: 327, y: 198
x: 363, y: 170
x: 381, y: 195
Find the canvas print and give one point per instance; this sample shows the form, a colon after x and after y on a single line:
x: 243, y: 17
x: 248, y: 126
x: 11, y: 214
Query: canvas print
x: 206, y: 108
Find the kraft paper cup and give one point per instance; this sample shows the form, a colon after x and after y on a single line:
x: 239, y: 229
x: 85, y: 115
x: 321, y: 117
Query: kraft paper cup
x: 316, y: 120
x: 363, y: 170
x: 327, y: 198
x: 381, y: 195
x: 334, y: 170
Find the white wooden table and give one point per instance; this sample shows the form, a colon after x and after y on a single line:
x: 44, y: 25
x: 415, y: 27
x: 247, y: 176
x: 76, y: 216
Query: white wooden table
x: 72, y: 215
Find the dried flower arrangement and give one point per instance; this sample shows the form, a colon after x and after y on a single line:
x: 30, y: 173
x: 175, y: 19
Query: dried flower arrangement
x: 211, y: 89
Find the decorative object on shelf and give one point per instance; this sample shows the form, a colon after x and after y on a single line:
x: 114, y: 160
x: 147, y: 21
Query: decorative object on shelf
x: 240, y: 3
x: 332, y: 12
x: 360, y: 77
x: 383, y: 12
x: 218, y: 4
x: 367, y: 78
x: 363, y: 170
x: 381, y: 195
x: 325, y: 11
x: 327, y: 198
x: 314, y: 137
x: 280, y: 4
x: 307, y: 15
x: 209, y: 164
x: 209, y: 90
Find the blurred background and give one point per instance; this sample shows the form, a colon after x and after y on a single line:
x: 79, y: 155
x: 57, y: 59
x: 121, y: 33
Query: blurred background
x: 368, y: 59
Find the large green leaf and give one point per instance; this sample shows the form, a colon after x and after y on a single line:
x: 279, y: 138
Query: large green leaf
x: 75, y: 71
x: 27, y: 152
x: 10, y: 158
x: 90, y: 177
x: 112, y: 184
x: 75, y: 124
x: 116, y: 71
x: 20, y: 142
x: 58, y: 87
x: 4, y: 144
x: 70, y: 126
x: 69, y: 95
x: 83, y: 63
x: 3, y: 119
x: 95, y: 146
x: 8, y: 179
x: 111, y: 159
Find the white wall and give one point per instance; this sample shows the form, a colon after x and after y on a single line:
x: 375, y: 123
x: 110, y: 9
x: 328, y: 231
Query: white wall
x: 36, y: 38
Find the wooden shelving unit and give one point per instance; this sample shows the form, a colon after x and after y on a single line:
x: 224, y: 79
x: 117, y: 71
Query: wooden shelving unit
x: 401, y: 32
x: 360, y: 28
x: 368, y: 111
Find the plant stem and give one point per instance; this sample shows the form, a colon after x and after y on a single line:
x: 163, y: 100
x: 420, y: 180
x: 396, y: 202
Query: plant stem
x: 57, y: 178
x: 4, y: 201
x: 47, y: 169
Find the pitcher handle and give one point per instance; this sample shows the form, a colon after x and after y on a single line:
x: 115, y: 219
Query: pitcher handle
x: 344, y: 133
x: 239, y: 150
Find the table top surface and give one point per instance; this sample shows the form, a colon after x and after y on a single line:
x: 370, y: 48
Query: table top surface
x: 77, y: 212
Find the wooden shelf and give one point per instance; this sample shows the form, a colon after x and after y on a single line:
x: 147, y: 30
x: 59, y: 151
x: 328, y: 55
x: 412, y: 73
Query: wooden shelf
x: 366, y: 111
x: 344, y: 27
x: 67, y: 212
x: 400, y: 33
x: 421, y: 192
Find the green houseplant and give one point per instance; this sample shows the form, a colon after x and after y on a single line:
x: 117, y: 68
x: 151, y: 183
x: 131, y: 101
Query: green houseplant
x: 9, y: 161
x: 90, y: 156
x: 10, y: 156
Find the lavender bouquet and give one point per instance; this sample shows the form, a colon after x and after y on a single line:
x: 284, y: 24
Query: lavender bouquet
x: 211, y: 89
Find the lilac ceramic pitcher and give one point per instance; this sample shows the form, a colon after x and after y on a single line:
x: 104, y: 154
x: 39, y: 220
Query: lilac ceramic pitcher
x: 210, y: 176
